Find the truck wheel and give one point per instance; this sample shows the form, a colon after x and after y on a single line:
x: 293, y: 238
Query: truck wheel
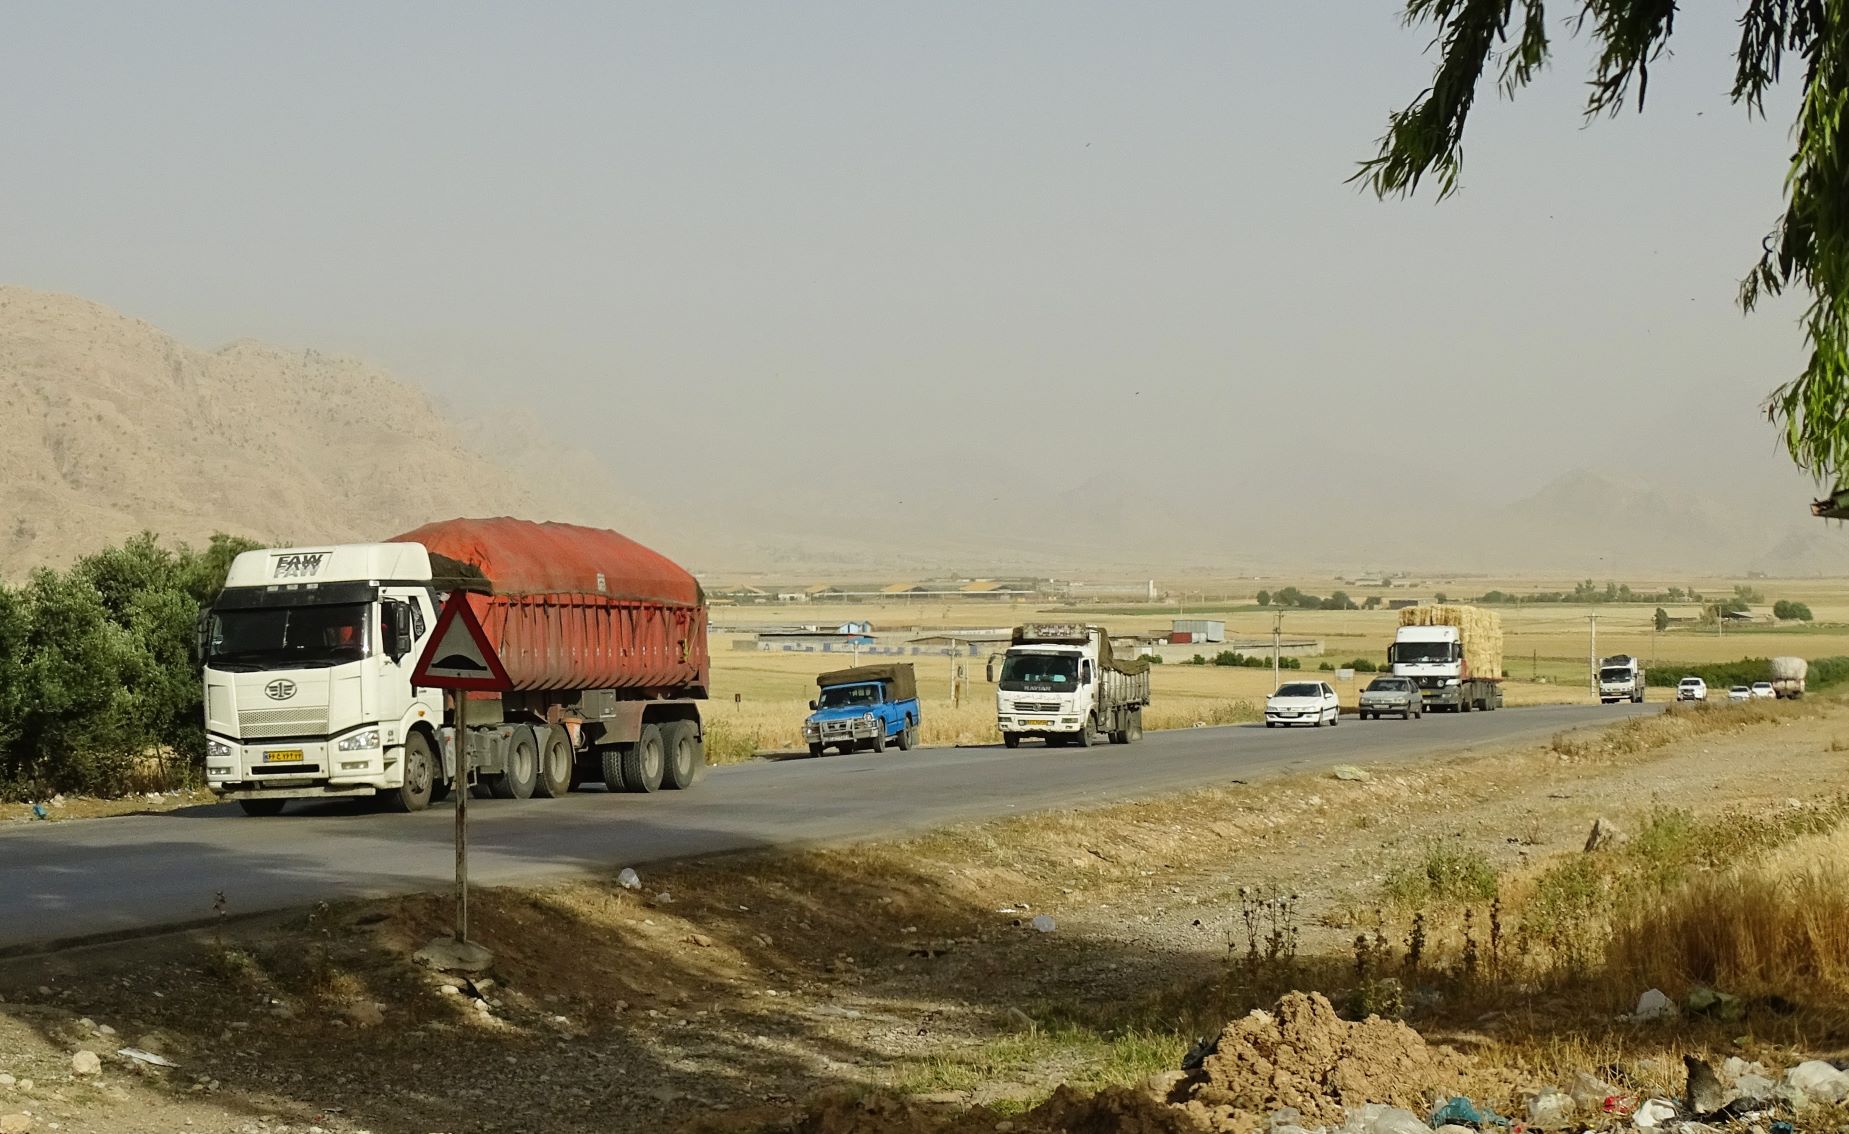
x: 816, y: 749
x: 878, y: 743
x: 419, y: 775
x: 1464, y: 705
x: 683, y: 757
x: 262, y: 808
x: 908, y: 736
x: 555, y: 766
x: 643, y: 760
x: 1011, y: 740
x: 611, y: 757
x: 522, y: 766
x: 1088, y: 734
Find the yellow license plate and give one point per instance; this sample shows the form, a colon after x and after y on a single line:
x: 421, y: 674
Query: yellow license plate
x: 283, y: 756
x: 1036, y: 724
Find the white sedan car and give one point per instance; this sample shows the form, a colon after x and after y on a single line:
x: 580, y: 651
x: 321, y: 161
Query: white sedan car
x: 1691, y: 689
x: 1302, y: 702
x: 1740, y: 693
x: 1763, y: 691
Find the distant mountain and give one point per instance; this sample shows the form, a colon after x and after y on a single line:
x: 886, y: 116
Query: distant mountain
x: 113, y: 428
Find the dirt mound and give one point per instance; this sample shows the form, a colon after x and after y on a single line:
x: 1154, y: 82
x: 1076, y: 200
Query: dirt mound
x: 1305, y: 1056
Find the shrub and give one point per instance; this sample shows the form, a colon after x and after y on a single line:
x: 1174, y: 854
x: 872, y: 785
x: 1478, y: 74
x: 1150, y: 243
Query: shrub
x: 1786, y: 611
x: 1443, y: 874
x: 1264, y: 598
x: 1362, y: 665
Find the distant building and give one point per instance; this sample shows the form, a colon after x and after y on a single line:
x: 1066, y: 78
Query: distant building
x: 1198, y: 629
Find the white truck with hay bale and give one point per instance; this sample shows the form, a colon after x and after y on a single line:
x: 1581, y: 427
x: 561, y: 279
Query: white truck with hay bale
x: 1453, y: 654
x: 1060, y: 682
x: 1788, y: 676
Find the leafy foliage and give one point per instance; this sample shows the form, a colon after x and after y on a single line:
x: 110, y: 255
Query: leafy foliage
x: 1809, y: 246
x: 97, y: 679
x: 1787, y: 611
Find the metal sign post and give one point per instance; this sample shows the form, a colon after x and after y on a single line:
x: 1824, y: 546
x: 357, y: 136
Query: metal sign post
x: 461, y: 659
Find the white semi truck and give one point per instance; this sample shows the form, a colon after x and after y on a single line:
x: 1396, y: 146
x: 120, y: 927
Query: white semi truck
x: 1061, y: 683
x: 308, y: 655
x: 1453, y: 654
x: 1621, y: 678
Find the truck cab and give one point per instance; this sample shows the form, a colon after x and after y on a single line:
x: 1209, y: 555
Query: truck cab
x: 307, y: 656
x: 1621, y: 678
x: 1060, y: 683
x: 864, y: 707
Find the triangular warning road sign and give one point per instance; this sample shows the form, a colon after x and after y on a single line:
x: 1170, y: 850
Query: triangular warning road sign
x: 459, y: 655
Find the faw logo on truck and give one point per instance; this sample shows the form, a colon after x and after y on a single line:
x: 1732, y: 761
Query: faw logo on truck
x: 298, y: 565
x: 279, y: 690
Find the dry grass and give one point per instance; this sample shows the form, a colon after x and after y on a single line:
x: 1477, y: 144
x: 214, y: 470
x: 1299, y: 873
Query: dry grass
x: 1481, y: 630
x: 1680, y: 722
x: 1780, y: 927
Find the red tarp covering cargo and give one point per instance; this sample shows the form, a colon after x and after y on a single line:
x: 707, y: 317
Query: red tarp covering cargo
x: 568, y: 607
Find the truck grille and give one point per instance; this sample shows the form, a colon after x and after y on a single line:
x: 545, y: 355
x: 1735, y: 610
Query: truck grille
x: 258, y: 724
x: 1036, y: 706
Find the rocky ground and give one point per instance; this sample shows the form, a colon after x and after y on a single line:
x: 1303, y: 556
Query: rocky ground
x: 978, y: 967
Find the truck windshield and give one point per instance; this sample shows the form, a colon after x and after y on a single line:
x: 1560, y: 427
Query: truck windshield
x: 1424, y: 653
x: 1039, y: 672
x: 842, y: 696
x: 288, y: 636
x: 1614, y: 673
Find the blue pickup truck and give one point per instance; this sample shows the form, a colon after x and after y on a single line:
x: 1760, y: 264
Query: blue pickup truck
x: 864, y: 707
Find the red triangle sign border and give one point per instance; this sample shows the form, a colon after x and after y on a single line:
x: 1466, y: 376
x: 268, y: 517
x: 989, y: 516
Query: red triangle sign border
x: 455, y: 608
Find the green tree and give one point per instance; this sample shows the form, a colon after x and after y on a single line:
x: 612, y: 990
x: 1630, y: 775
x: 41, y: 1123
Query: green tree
x: 1439, y: 597
x: 1264, y: 598
x: 1372, y: 603
x: 1808, y: 249
x: 1662, y: 619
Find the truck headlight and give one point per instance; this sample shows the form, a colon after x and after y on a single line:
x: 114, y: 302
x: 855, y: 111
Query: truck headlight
x: 1450, y: 681
x: 360, y: 741
x: 217, y: 749
x: 867, y: 716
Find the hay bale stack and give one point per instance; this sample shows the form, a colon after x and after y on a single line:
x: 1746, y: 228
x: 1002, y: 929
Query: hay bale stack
x: 1789, y: 669
x: 1481, y: 631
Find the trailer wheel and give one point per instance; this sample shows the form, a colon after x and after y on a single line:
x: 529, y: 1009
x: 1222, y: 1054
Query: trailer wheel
x: 683, y: 759
x: 1011, y: 740
x: 262, y: 808
x: 610, y: 756
x: 555, y: 766
x: 419, y: 775
x: 643, y: 760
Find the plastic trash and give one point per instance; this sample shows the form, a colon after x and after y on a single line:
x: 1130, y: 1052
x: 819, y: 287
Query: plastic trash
x: 1590, y: 1092
x: 1551, y: 1108
x: 148, y: 1057
x: 1734, y: 1067
x: 628, y: 879
x: 1653, y: 1113
x: 1394, y: 1120
x: 1044, y: 923
x: 1654, y: 1005
x: 1460, y: 1111
x: 1819, y: 1081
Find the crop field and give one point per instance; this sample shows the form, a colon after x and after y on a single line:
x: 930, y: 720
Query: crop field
x: 761, y: 697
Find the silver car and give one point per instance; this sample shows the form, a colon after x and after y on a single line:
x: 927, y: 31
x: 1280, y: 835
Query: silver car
x: 1397, y: 695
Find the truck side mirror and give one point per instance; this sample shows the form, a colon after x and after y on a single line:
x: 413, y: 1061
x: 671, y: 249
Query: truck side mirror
x: 395, y: 629
x: 988, y: 673
x: 202, y: 636
x: 813, y: 706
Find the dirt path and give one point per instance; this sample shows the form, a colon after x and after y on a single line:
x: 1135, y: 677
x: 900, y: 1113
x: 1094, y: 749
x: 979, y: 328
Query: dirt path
x: 740, y: 984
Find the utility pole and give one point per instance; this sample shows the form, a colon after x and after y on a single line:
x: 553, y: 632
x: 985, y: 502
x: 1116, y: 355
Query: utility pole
x: 1592, y: 620
x: 1277, y: 647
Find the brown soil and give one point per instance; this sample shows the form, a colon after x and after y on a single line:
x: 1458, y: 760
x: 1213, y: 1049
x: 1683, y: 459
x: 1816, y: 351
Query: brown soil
x: 1303, y: 1055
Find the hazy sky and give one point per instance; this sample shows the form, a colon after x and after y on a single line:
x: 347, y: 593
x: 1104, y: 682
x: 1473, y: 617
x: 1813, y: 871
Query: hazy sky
x: 972, y: 226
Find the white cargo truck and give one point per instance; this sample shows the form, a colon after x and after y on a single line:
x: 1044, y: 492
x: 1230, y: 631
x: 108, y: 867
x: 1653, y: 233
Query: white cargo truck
x: 1621, y: 678
x: 1453, y: 654
x: 1788, y: 676
x: 1061, y: 683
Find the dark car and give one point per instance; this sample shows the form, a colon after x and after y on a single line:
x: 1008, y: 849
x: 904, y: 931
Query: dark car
x: 1392, y: 695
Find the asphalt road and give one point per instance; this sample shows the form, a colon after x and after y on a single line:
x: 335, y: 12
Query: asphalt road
x: 61, y: 881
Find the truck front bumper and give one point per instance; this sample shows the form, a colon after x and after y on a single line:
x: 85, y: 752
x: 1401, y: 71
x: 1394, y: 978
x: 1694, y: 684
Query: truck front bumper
x: 298, y: 769
x: 1038, y: 725
x: 841, y: 732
